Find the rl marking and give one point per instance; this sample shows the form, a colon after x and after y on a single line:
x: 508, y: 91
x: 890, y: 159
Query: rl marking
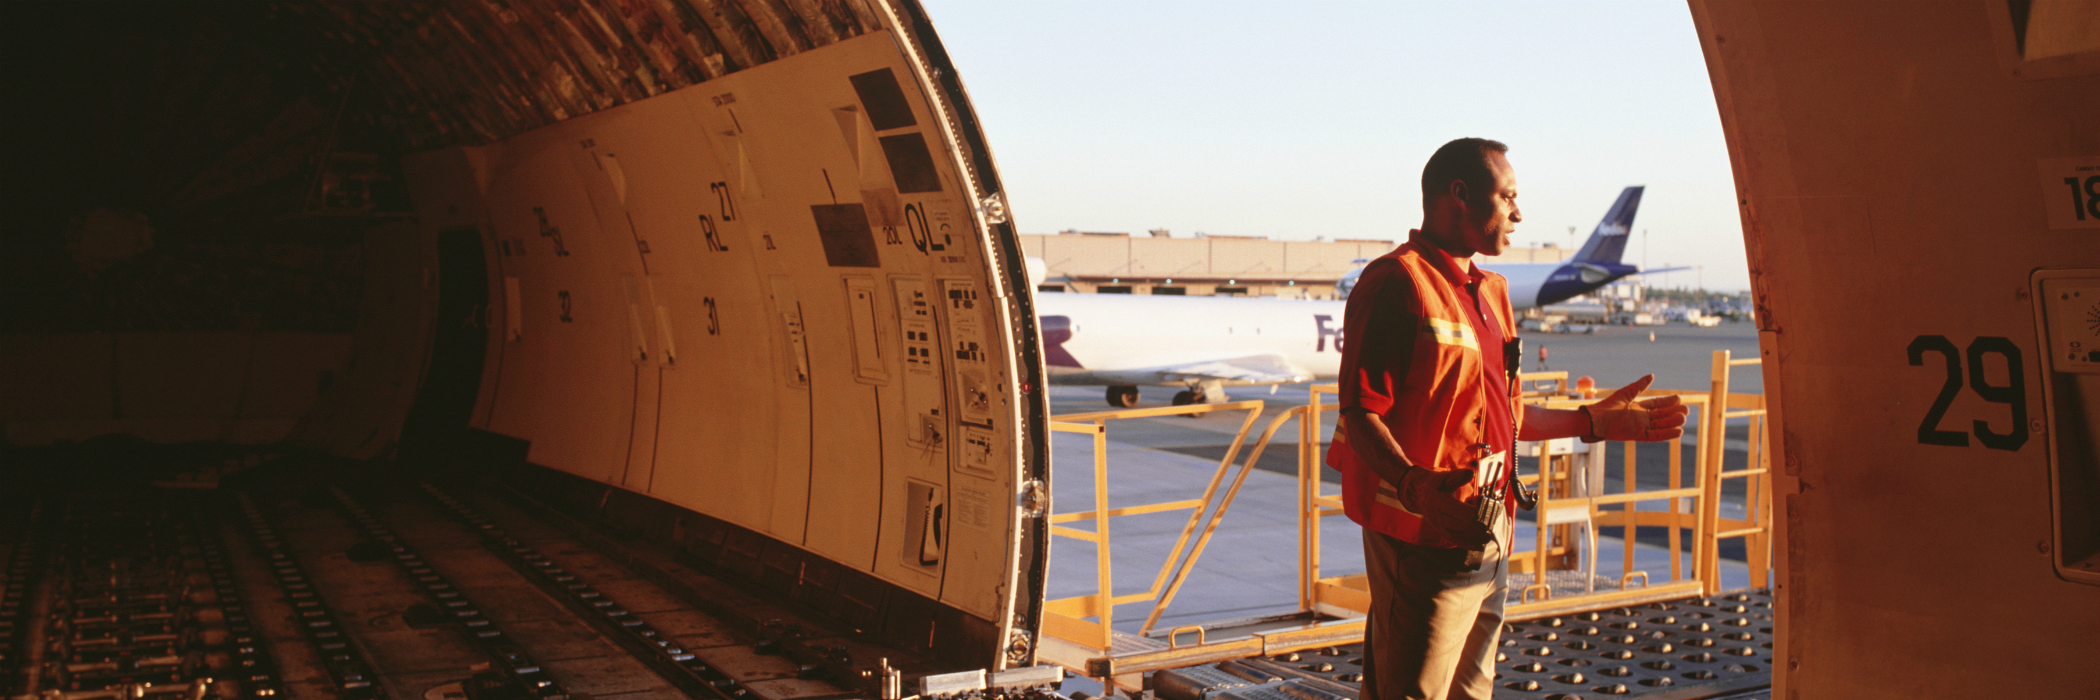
x: 714, y: 240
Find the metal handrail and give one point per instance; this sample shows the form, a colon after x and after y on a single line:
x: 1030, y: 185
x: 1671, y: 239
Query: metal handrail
x: 1756, y: 527
x: 1181, y: 574
x: 1559, y: 379
x: 1628, y: 518
x: 1101, y: 604
x: 1314, y: 505
x: 1181, y: 560
x: 1345, y: 596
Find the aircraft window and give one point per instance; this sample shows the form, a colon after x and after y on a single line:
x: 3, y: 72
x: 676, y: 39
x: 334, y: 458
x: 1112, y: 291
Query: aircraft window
x: 1231, y: 291
x: 1112, y: 289
x: 1176, y: 291
x: 1049, y: 288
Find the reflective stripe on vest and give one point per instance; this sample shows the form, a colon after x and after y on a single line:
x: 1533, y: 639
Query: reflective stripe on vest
x: 1457, y: 333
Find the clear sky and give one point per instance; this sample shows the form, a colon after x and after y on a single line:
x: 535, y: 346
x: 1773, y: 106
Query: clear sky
x: 1312, y: 118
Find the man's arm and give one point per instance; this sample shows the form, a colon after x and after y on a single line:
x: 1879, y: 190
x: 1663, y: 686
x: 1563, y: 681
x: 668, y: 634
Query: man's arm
x: 1384, y: 456
x: 1375, y: 446
x: 1616, y: 417
x: 1374, y: 366
x: 1541, y: 423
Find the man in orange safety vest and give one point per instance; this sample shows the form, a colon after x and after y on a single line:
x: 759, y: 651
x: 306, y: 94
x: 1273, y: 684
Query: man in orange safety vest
x: 1429, y: 417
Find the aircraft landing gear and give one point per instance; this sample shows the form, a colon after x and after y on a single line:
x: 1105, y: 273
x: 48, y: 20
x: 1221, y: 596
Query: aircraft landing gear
x: 1206, y: 392
x: 1122, y: 396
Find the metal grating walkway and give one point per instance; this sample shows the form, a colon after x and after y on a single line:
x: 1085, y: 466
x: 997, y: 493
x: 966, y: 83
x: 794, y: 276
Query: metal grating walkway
x: 1718, y: 647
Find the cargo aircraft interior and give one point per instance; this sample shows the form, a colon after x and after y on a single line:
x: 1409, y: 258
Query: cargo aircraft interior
x: 504, y: 349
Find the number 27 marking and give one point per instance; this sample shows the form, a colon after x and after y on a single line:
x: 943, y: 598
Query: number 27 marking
x: 2013, y: 394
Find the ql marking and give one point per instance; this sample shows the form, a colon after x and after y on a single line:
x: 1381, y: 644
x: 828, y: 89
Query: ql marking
x: 921, y: 233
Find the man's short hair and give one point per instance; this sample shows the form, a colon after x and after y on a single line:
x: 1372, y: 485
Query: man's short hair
x: 1462, y: 159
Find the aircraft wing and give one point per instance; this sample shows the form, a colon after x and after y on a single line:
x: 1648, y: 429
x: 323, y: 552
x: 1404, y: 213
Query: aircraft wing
x: 1268, y: 368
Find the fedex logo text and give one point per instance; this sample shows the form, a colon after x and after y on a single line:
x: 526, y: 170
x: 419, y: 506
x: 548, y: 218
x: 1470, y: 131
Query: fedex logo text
x: 1320, y: 322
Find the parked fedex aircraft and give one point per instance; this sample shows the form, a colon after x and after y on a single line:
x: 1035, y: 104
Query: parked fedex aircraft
x: 1208, y: 343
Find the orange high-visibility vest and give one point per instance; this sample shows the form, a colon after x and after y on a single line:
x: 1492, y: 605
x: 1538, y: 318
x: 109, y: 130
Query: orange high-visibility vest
x: 1439, y: 420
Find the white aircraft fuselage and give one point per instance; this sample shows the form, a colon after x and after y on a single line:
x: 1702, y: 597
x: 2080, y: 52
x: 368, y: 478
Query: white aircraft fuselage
x: 1122, y: 339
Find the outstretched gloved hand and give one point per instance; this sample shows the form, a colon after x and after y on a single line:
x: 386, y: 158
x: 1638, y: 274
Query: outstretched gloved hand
x: 1620, y: 417
x: 1448, y: 503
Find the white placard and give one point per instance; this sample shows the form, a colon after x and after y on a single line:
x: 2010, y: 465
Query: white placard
x: 2071, y: 191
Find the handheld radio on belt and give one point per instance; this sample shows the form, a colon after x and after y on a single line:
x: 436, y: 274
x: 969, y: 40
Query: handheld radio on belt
x: 1494, y: 489
x: 1513, y: 360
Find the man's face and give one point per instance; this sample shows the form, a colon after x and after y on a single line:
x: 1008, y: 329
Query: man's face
x: 1489, y: 223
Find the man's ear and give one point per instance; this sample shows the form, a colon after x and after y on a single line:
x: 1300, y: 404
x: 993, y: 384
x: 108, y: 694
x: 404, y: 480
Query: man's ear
x: 1457, y: 189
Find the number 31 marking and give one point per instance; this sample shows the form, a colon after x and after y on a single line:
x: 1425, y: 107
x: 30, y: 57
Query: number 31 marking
x: 2013, y: 394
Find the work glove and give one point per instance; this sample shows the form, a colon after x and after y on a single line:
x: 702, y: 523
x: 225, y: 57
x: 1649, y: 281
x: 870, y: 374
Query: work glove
x: 1449, y: 504
x: 1619, y: 417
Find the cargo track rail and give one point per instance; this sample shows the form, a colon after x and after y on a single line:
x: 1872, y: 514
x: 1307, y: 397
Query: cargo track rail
x: 128, y: 596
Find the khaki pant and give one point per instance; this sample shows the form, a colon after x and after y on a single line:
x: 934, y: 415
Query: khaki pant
x: 1432, y: 630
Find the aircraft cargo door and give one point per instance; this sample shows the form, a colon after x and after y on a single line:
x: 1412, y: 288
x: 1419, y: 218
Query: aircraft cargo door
x: 787, y: 298
x: 1919, y: 185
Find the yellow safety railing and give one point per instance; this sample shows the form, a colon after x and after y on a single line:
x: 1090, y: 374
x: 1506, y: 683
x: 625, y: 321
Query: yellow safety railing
x: 1348, y: 596
x: 1313, y: 507
x: 1677, y: 521
x: 1331, y: 608
x: 1531, y: 384
x: 1755, y: 527
x: 1065, y: 618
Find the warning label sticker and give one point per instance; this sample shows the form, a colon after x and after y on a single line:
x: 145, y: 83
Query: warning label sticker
x: 973, y: 507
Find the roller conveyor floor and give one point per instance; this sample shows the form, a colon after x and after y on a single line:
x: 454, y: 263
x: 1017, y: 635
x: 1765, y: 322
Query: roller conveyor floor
x: 1710, y: 648
x: 350, y: 582
x: 332, y: 584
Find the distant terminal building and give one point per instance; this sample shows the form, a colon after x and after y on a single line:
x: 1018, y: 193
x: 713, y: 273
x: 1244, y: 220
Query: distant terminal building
x: 1213, y: 265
